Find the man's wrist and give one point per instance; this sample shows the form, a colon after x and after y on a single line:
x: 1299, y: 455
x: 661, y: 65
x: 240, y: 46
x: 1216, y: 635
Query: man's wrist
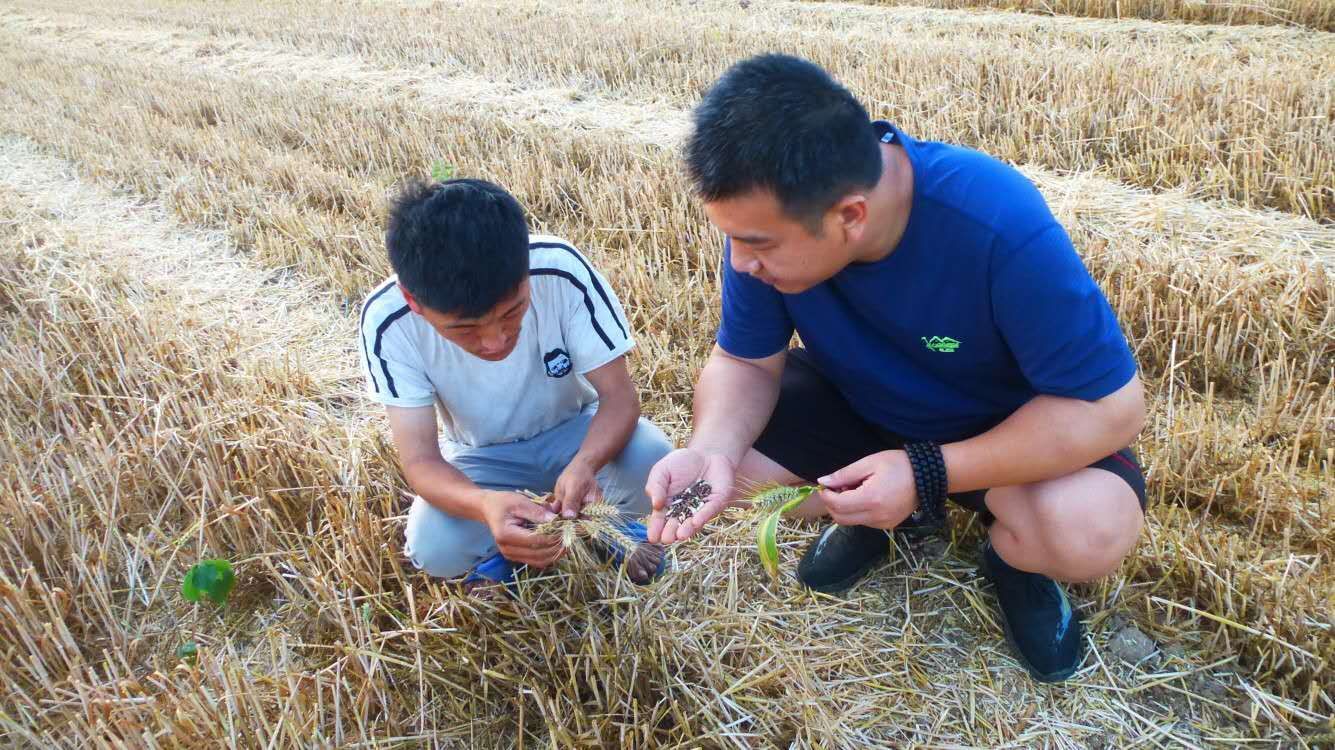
x: 477, y: 499
x: 586, y: 462
x: 716, y: 449
x: 929, y: 480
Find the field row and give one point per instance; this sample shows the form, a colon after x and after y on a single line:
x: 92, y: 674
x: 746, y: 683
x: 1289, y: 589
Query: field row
x: 1241, y: 113
x: 1316, y: 14
x: 162, y: 404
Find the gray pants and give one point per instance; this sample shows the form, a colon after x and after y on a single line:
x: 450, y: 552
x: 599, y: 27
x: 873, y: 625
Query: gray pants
x: 445, y: 546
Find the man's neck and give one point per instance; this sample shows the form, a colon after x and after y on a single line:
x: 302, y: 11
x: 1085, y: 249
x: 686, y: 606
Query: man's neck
x: 888, y: 205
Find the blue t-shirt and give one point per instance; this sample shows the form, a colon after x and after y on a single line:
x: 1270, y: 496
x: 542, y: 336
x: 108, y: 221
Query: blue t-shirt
x: 983, y: 305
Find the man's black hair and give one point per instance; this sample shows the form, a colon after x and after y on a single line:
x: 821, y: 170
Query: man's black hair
x: 460, y: 246
x: 781, y: 123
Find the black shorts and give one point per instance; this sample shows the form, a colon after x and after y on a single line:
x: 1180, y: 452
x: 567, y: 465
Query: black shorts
x: 814, y: 431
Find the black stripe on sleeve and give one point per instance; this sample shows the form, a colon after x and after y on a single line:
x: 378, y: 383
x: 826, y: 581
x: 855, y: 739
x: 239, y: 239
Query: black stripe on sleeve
x: 379, y: 339
x: 361, y: 328
x: 588, y: 301
x: 592, y: 278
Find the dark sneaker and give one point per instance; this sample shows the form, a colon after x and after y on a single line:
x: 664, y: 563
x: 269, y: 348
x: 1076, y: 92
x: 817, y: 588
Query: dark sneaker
x: 917, y: 526
x: 841, y: 556
x: 1040, y: 624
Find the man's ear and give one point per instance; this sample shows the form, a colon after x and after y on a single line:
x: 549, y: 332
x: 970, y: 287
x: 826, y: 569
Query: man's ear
x: 851, y: 215
x: 408, y: 297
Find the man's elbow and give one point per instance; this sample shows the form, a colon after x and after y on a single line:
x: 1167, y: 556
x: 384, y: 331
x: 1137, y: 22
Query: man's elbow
x: 408, y: 469
x: 630, y: 404
x: 632, y: 409
x: 415, y: 467
x: 1130, y: 412
x: 619, y: 397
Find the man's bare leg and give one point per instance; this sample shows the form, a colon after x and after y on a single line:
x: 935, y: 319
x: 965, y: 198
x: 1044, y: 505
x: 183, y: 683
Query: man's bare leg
x: 1074, y: 528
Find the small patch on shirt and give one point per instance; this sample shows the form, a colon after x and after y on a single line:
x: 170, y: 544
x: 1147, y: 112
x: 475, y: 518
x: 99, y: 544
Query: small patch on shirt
x: 557, y: 362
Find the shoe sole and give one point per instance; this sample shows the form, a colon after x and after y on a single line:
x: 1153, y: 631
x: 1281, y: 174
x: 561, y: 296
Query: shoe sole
x: 606, y: 555
x: 1059, y: 676
x: 664, y: 567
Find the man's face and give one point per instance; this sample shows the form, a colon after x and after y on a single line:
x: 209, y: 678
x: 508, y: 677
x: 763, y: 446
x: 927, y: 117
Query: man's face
x: 492, y: 336
x: 778, y: 249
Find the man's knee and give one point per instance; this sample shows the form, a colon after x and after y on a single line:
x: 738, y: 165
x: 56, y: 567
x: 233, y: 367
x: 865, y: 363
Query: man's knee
x: 630, y: 471
x: 1078, y: 540
x: 443, y: 546
x: 1090, y: 545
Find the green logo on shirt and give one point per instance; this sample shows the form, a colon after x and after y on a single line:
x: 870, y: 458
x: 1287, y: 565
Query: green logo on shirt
x: 941, y: 343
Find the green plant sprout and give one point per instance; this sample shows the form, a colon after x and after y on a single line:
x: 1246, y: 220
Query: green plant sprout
x: 772, y: 503
x: 440, y: 171
x: 188, y: 651
x: 210, y: 579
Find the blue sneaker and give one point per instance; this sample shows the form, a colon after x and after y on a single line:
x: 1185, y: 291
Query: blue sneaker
x: 1040, y: 624
x: 494, y: 569
x: 614, y: 553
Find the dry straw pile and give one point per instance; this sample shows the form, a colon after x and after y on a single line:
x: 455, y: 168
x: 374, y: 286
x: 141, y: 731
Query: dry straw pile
x: 178, y: 381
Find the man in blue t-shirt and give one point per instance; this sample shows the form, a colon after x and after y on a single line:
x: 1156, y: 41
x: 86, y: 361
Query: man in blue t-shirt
x: 954, y: 347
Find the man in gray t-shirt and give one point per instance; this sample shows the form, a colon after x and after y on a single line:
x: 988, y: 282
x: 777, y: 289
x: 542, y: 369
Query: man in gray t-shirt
x: 518, y: 345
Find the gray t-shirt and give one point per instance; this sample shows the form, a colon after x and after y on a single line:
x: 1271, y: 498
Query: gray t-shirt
x: 574, y: 324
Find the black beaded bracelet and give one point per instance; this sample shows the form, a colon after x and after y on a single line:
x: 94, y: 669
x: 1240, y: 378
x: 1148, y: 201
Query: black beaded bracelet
x: 929, y: 478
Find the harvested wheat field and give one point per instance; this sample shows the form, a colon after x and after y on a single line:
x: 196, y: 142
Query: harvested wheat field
x: 192, y: 198
x: 1315, y: 14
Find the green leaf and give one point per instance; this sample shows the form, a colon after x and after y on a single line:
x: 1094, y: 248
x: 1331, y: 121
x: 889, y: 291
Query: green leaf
x: 188, y: 588
x: 767, y: 543
x: 210, y: 579
x: 440, y: 171
x: 188, y: 651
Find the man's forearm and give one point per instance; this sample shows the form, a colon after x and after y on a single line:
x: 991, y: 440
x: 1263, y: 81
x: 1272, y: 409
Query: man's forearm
x: 1044, y: 439
x: 609, y: 431
x: 733, y: 402
x: 446, y: 488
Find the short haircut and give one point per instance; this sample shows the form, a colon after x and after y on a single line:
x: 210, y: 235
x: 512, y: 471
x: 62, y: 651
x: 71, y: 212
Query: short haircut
x: 781, y: 123
x: 460, y: 246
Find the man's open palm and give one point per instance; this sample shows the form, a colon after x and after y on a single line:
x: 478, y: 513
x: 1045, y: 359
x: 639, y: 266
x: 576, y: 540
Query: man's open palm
x: 674, y: 473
